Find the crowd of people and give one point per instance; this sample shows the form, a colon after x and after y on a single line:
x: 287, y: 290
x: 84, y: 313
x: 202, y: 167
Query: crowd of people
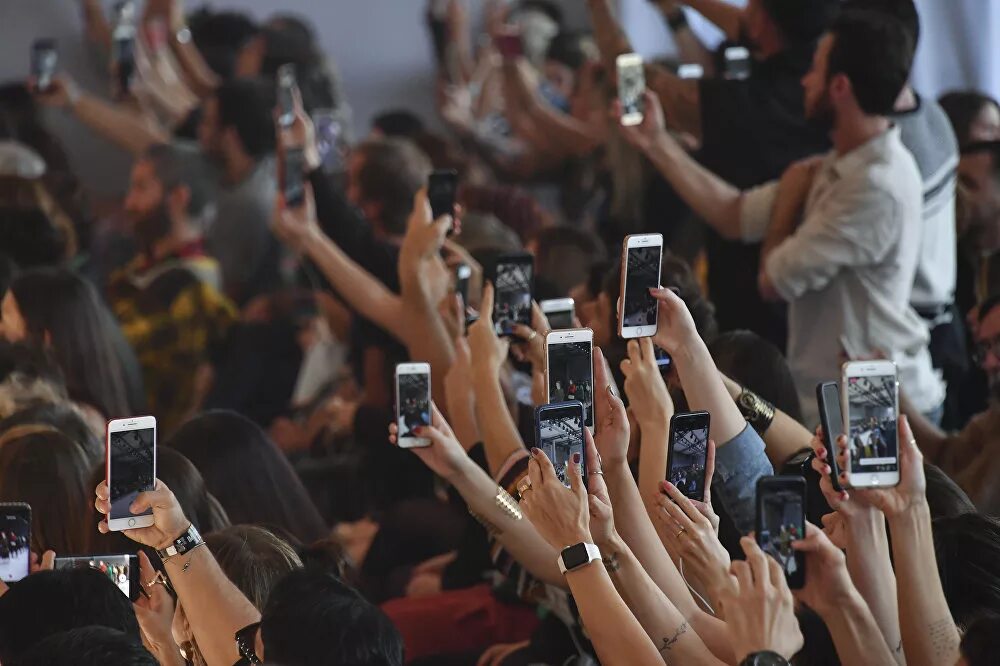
x: 815, y: 208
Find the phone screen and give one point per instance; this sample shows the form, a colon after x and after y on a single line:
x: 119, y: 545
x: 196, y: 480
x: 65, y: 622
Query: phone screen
x: 512, y: 294
x: 689, y: 454
x: 414, y: 391
x: 44, y: 59
x: 560, y: 435
x: 738, y: 63
x: 118, y: 568
x: 642, y: 273
x: 662, y: 357
x: 871, y: 407
x: 781, y: 520
x: 294, y: 186
x: 631, y: 84
x: 571, y: 375
x: 132, y: 469
x: 441, y: 190
x: 15, y: 542
x: 560, y: 319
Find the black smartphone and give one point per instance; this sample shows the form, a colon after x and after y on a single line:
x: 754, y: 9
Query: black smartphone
x: 15, y: 541
x: 293, y: 183
x: 123, y: 54
x: 832, y: 418
x: 687, y: 455
x: 738, y: 63
x: 513, y: 284
x: 285, y: 93
x: 781, y: 520
x: 663, y: 358
x: 122, y: 570
x: 44, y: 60
x: 442, y: 187
x: 559, y: 433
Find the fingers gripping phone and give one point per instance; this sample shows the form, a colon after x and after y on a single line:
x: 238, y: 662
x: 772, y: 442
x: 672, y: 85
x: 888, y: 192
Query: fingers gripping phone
x: 569, y: 368
x: 510, y: 43
x: 559, y: 311
x: 642, y: 256
x: 513, y: 284
x: 131, y: 469
x: 559, y: 433
x: 413, y: 403
x: 781, y: 520
x: 286, y: 95
x: 871, y: 401
x: 15, y: 541
x: 631, y: 86
x: 122, y: 570
x: 832, y: 419
x: 293, y: 184
x: 44, y: 60
x: 687, y: 456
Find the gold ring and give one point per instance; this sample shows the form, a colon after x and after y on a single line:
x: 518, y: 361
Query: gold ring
x: 597, y: 473
x: 533, y: 335
x: 524, y: 486
x: 157, y: 580
x: 680, y: 532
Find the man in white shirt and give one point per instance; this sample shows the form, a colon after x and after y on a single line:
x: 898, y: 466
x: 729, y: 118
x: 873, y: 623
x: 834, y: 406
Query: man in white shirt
x: 841, y: 233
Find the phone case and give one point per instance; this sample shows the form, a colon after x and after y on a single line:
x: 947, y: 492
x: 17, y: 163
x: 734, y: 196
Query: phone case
x: 779, y: 547
x: 831, y: 447
x: 677, y: 421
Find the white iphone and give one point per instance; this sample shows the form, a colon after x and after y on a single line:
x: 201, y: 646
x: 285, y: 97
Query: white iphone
x: 559, y: 312
x: 131, y: 469
x: 871, y: 416
x: 638, y: 310
x: 631, y: 86
x: 413, y: 403
x: 569, y: 368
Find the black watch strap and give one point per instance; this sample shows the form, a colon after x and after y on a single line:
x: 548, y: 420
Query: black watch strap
x: 766, y: 658
x: 677, y: 20
x: 188, y: 541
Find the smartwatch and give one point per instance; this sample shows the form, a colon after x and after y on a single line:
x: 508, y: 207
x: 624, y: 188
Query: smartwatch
x: 766, y: 658
x: 188, y: 541
x: 577, y: 556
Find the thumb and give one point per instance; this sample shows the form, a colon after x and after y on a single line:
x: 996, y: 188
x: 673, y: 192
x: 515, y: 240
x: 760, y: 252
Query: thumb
x: 574, y: 471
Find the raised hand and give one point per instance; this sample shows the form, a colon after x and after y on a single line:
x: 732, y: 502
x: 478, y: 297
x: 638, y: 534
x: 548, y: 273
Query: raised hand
x: 610, y: 419
x: 653, y: 127
x: 561, y: 515
x: 445, y: 453
x: 828, y: 582
x: 169, y: 521
x: 602, y: 518
x: 421, y: 269
x: 489, y: 351
x: 647, y: 392
x: 912, y: 488
x: 675, y: 327
x: 296, y: 227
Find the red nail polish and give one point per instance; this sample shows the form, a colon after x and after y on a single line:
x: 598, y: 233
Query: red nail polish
x: 576, y: 458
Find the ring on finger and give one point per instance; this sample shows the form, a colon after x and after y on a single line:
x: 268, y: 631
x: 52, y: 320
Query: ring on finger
x: 524, y: 485
x: 534, y: 334
x: 680, y: 532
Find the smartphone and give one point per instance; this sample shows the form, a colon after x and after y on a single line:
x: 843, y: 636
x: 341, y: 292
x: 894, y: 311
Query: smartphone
x: 293, y: 183
x: 15, y: 541
x: 559, y: 311
x: 559, y: 433
x: 832, y: 419
x: 738, y: 64
x: 781, y: 519
x: 569, y: 368
x: 663, y: 359
x: 123, y: 55
x: 687, y: 455
x: 510, y: 43
x: 442, y: 187
x: 631, y: 85
x: 123, y: 570
x: 413, y: 403
x: 691, y: 71
x: 286, y: 97
x: 44, y: 60
x: 131, y: 469
x: 513, y: 284
x: 871, y: 397
x: 638, y: 310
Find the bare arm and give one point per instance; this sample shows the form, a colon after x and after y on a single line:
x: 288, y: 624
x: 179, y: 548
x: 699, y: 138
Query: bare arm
x: 784, y: 438
x: 689, y: 47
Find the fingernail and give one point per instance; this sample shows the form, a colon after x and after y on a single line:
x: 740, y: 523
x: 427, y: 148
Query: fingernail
x: 612, y: 391
x: 535, y: 451
x: 576, y: 458
x: 417, y: 430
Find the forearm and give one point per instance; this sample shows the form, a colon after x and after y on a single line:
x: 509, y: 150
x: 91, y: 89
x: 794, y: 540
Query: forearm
x: 705, y: 390
x: 427, y: 338
x: 124, y: 128
x: 930, y: 438
x: 725, y: 16
x: 855, y: 634
x: 928, y: 630
x: 615, y: 633
x: 713, y: 199
x: 870, y: 567
x: 666, y: 626
x: 202, y: 80
x: 784, y: 438
x: 653, y: 459
x: 680, y: 98
x: 501, y: 438
x: 96, y: 25
x: 611, y: 39
x: 215, y: 607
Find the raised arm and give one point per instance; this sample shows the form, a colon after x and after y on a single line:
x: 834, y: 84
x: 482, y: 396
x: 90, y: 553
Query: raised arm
x: 689, y: 47
x: 200, y: 77
x: 784, y: 437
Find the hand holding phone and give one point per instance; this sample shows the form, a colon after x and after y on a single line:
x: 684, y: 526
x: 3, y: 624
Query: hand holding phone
x: 832, y: 420
x: 286, y: 83
x: 413, y: 403
x: 559, y: 434
x: 15, y: 541
x: 131, y: 469
x: 442, y: 188
x: 687, y: 457
x: 293, y: 184
x: 781, y: 520
x: 569, y: 368
x: 871, y: 401
x: 631, y: 86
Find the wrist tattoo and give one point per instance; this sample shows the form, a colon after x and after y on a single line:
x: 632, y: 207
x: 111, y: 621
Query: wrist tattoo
x: 611, y: 563
x: 943, y: 636
x: 669, y: 642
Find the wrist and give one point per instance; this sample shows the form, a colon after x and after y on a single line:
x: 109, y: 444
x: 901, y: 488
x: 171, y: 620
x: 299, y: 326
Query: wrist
x: 915, y: 515
x: 173, y: 535
x: 611, y: 545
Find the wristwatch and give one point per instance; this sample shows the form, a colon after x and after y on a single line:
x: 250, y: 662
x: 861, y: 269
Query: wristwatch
x: 758, y: 412
x: 766, y: 658
x: 580, y: 555
x: 186, y: 542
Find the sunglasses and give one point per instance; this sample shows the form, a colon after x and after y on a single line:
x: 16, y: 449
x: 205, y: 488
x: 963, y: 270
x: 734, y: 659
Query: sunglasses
x: 246, y: 642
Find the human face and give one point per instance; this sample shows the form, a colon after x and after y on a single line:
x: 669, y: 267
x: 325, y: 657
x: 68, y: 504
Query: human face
x: 145, y: 192
x: 816, y: 83
x: 988, y: 349
x: 977, y: 174
x: 209, y: 132
x: 12, y: 324
x: 986, y: 125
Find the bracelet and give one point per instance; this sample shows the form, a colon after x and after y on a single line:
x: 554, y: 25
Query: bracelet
x: 508, y: 504
x: 758, y: 412
x: 183, y: 35
x: 677, y: 20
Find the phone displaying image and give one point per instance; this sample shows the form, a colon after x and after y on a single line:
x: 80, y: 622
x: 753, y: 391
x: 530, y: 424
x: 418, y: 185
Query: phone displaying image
x: 559, y: 311
x: 559, y: 433
x: 44, y: 60
x: 510, y: 43
x: 688, y: 453
x: 15, y: 541
x: 662, y: 357
x: 442, y: 188
x: 738, y: 63
x: 286, y: 98
x: 641, y: 259
x: 122, y: 570
x: 123, y: 55
x: 413, y: 403
x: 871, y: 396
x: 569, y: 368
x: 293, y: 180
x: 781, y: 520
x: 513, y: 284
x: 131, y: 469
x: 832, y: 419
x: 631, y: 85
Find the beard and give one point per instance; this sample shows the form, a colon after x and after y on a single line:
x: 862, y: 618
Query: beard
x: 152, y: 227
x: 820, y: 115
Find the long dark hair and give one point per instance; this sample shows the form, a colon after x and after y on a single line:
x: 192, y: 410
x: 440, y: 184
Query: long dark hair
x: 188, y: 486
x: 50, y: 472
x: 64, y: 312
x: 248, y: 474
